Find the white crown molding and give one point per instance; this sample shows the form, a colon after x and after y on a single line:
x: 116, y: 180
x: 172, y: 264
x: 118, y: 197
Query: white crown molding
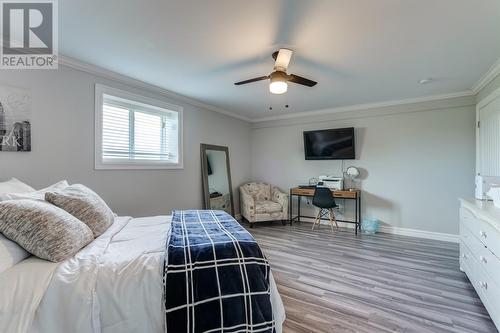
x: 111, y: 75
x: 489, y: 76
x: 366, y: 106
x: 114, y: 76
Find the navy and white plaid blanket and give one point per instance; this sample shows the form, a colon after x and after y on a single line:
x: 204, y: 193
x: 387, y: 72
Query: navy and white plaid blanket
x: 216, y: 278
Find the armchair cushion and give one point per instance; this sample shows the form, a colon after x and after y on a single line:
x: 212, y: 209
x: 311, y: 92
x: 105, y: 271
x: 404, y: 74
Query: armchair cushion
x: 266, y: 206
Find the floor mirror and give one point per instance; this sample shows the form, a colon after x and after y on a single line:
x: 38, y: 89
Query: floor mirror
x: 216, y: 177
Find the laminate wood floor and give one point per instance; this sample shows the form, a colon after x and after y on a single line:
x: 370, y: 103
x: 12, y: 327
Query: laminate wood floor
x: 339, y: 282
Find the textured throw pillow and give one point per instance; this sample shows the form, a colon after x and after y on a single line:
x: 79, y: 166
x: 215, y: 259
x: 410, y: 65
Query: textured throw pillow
x: 13, y: 186
x: 85, y: 205
x: 43, y: 229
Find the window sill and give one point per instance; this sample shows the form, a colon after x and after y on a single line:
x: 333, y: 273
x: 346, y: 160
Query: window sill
x: 137, y: 166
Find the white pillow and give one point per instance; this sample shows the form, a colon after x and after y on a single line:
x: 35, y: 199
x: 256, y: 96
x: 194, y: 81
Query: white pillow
x: 37, y: 195
x: 13, y: 186
x: 10, y: 253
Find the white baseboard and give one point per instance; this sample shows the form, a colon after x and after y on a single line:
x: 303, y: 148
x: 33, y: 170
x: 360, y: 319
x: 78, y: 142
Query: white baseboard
x: 402, y: 231
x: 420, y: 233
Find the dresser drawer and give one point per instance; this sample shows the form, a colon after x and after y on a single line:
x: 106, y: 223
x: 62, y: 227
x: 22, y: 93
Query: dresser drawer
x: 480, y: 253
x: 466, y: 260
x: 480, y: 229
x: 473, y: 243
x: 488, y: 290
x: 467, y: 220
x: 490, y: 263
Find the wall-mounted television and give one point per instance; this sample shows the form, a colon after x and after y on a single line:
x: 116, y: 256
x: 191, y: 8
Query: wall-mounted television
x: 330, y: 144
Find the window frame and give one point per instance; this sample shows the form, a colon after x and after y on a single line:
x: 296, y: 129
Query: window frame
x: 100, y: 164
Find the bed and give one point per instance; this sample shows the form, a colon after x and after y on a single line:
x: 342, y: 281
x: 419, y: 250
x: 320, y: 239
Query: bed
x: 114, y: 284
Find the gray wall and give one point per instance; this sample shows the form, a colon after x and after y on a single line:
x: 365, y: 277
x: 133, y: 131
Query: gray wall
x: 63, y: 146
x: 416, y: 160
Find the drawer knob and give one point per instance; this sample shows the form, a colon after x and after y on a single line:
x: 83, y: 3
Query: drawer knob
x: 483, y: 285
x: 483, y: 259
x: 482, y: 234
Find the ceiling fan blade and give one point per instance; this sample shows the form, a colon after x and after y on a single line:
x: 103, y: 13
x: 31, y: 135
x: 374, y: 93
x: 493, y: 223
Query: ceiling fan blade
x: 260, y: 78
x: 283, y: 60
x: 301, y: 80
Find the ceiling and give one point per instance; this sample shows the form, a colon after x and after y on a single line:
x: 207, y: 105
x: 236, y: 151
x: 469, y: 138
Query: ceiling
x: 362, y: 51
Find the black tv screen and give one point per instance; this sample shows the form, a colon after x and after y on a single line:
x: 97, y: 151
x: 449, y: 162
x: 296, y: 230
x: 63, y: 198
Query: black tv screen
x: 330, y: 144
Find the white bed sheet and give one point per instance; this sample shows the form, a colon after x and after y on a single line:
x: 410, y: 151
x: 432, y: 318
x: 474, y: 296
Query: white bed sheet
x: 112, y: 285
x: 22, y: 288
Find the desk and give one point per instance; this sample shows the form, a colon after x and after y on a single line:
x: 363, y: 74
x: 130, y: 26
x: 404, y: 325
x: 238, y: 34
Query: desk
x: 309, y: 192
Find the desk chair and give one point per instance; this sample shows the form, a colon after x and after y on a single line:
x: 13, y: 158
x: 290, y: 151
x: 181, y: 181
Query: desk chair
x: 324, y: 200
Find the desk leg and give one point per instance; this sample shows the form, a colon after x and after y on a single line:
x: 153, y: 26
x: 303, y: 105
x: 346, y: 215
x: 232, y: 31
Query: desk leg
x: 298, y: 208
x: 356, y: 226
x: 290, y: 207
x: 359, y: 212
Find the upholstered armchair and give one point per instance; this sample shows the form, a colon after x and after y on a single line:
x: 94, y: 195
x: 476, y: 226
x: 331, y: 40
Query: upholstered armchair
x: 263, y: 202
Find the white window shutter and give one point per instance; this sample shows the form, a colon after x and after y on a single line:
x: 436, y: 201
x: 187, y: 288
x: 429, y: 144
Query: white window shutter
x: 149, y: 137
x: 136, y: 133
x: 115, y: 133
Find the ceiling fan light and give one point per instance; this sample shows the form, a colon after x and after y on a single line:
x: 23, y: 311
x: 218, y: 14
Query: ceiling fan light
x: 278, y: 87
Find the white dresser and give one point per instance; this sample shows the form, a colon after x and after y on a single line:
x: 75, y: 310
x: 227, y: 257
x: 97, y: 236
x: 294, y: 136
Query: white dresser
x: 480, y: 251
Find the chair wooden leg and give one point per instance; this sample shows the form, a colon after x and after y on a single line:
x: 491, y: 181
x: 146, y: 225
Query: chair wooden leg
x: 335, y: 220
x: 331, y: 216
x: 316, y: 219
x: 314, y: 223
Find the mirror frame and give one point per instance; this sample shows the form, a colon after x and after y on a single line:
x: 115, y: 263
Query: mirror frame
x: 204, y: 174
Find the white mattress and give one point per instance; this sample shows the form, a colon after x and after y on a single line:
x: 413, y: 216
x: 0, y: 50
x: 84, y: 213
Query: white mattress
x: 112, y: 285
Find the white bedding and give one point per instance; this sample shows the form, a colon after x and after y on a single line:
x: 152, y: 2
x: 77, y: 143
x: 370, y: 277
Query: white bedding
x: 112, y: 285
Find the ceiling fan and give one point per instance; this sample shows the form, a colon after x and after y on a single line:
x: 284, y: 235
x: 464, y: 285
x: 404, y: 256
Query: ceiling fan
x: 279, y: 78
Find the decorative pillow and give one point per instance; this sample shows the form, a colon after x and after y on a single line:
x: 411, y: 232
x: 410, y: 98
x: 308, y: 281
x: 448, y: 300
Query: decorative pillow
x: 10, y: 253
x: 13, y: 186
x: 85, y: 205
x: 38, y: 195
x: 43, y: 229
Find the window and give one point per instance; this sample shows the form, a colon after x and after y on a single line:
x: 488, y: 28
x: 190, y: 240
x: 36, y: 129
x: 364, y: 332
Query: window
x: 135, y: 132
